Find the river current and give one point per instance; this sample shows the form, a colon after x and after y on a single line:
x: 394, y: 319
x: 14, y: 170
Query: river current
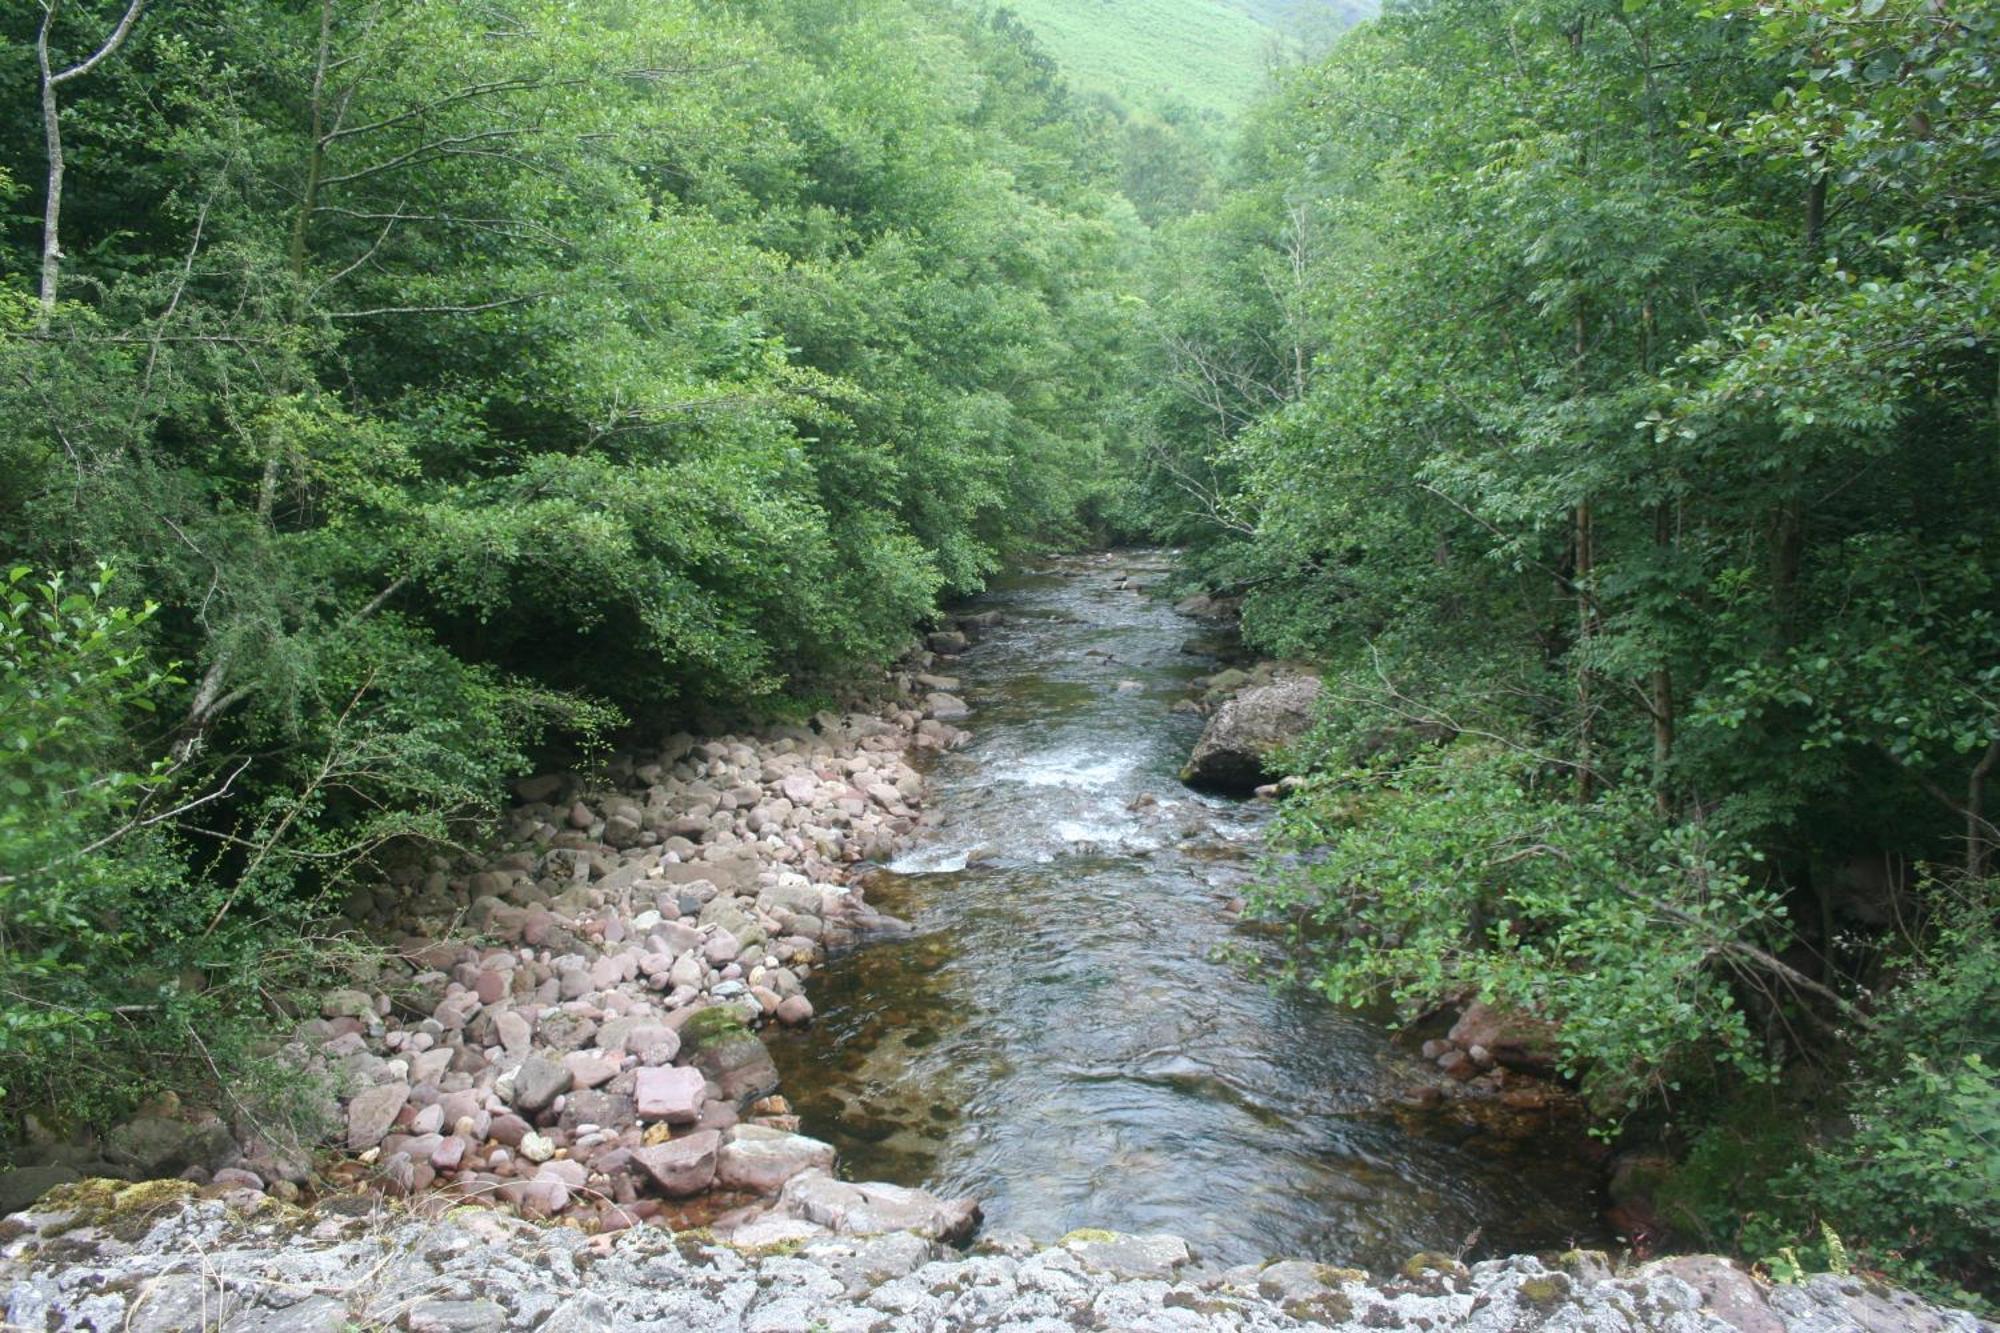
x: 1079, y: 1032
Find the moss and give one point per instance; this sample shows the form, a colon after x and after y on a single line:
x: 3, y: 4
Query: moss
x: 693, y: 1241
x: 1328, y: 1307
x: 1430, y: 1261
x: 1089, y: 1236
x: 717, y: 1023
x: 123, y: 1209
x: 1202, y: 1305
x: 1549, y: 1289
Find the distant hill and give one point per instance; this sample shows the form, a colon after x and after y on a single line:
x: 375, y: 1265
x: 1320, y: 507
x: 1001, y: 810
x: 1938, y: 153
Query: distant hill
x: 1210, y: 54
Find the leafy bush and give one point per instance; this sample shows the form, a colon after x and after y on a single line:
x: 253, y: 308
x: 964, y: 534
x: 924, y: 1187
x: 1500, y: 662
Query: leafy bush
x: 1891, y: 1157
x: 1912, y: 1187
x: 1470, y: 870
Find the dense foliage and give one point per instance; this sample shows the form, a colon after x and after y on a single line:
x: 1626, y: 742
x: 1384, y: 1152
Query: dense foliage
x: 432, y: 379
x: 1600, y: 391
x: 1604, y: 393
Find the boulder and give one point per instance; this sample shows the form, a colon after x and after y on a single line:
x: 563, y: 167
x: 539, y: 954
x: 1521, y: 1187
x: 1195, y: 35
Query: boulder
x: 1235, y: 749
x: 682, y: 1166
x: 538, y: 1082
x: 761, y: 1160
x: 716, y: 1042
x: 942, y: 707
x: 372, y: 1112
x: 672, y: 1094
x: 1517, y: 1040
x: 1727, y: 1292
x: 867, y: 1207
x: 21, y: 1187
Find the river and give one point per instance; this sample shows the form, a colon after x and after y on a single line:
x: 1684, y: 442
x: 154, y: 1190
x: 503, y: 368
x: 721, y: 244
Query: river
x: 1078, y: 1031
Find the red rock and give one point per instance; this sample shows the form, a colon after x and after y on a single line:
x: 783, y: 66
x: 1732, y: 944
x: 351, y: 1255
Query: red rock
x: 671, y: 1094
x: 508, y: 1129
x: 683, y: 1166
x: 449, y: 1153
x: 1458, y: 1064
x: 1516, y: 1040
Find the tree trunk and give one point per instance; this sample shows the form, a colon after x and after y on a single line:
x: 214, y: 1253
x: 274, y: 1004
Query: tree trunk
x: 1584, y: 530
x: 316, y: 156
x: 51, y: 79
x: 52, y: 201
x: 1976, y: 838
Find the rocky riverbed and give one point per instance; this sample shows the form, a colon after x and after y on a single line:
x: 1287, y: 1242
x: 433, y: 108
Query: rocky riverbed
x: 567, y: 1024
x: 154, y: 1258
x: 553, y: 1107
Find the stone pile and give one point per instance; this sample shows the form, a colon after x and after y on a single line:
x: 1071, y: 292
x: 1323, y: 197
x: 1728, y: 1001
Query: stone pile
x: 570, y: 1030
x: 582, y: 1043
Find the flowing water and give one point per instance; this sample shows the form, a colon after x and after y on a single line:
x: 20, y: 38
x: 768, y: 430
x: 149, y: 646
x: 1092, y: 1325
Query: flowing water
x: 1065, y: 1035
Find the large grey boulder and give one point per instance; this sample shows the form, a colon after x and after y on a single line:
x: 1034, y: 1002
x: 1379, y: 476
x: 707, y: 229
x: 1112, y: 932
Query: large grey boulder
x: 1234, y: 752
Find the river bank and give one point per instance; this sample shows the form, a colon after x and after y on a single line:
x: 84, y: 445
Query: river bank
x: 153, y: 1259
x: 563, y: 1023
x: 1075, y: 1028
x: 570, y: 1037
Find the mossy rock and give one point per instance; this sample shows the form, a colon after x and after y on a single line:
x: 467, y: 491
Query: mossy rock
x: 716, y: 1041
x: 1431, y: 1262
x: 1547, y: 1290
x: 1328, y: 1307
x: 122, y: 1209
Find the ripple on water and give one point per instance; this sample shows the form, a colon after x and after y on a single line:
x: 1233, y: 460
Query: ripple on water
x: 1058, y: 1036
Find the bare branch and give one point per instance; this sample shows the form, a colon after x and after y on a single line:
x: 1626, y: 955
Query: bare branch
x: 111, y: 43
x: 435, y: 309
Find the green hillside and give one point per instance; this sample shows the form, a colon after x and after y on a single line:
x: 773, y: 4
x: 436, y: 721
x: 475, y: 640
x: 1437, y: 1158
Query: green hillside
x: 1211, y: 54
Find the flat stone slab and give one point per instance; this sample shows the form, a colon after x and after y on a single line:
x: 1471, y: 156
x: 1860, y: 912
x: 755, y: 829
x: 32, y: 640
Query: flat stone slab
x: 673, y: 1094
x: 1127, y: 1255
x: 761, y: 1159
x: 850, y: 1208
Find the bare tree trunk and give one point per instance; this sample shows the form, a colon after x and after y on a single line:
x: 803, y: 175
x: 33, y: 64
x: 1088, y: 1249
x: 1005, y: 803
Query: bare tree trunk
x: 1815, y: 221
x: 1586, y: 613
x: 51, y: 79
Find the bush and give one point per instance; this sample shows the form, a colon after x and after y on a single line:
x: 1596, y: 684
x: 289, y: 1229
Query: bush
x: 79, y: 841
x: 1899, y: 1170
x: 1912, y: 1189
x: 1473, y: 870
x: 123, y: 972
